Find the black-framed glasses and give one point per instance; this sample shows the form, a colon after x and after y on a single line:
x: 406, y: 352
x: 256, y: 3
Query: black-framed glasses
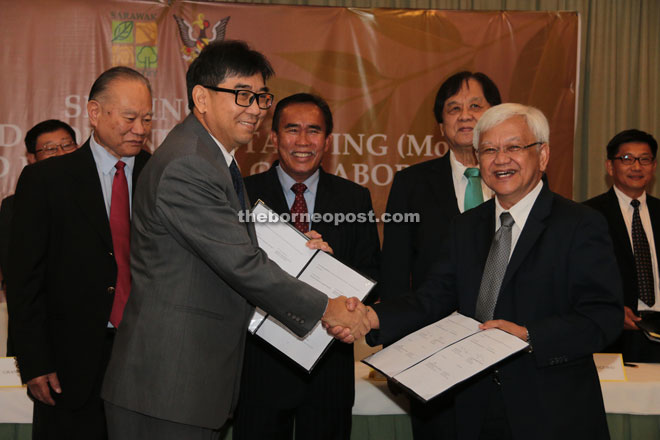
x: 51, y: 148
x: 245, y: 98
x: 510, y: 150
x: 629, y: 159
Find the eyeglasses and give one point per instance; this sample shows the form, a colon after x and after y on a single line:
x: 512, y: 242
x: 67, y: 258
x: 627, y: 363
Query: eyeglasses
x: 245, y: 98
x: 510, y: 150
x: 51, y: 148
x: 629, y: 159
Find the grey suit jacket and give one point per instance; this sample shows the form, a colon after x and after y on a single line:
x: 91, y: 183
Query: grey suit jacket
x: 197, y: 273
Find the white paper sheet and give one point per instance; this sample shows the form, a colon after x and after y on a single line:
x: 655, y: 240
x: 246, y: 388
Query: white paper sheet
x: 322, y: 271
x: 9, y: 376
x: 441, y: 355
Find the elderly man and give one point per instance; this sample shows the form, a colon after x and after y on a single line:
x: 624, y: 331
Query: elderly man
x: 197, y: 270
x: 69, y: 272
x: 438, y: 190
x: 634, y: 220
x: 535, y: 265
x: 320, y: 402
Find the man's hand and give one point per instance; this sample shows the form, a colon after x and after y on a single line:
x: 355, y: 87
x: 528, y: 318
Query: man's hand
x: 317, y: 242
x: 344, y: 333
x: 630, y: 320
x: 41, y: 391
x: 348, y: 314
x: 507, y: 326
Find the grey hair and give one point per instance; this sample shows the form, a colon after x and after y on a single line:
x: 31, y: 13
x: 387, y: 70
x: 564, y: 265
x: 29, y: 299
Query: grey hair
x: 535, y: 119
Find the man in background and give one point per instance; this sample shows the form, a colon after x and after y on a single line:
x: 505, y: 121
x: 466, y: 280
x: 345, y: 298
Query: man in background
x: 49, y: 138
x: 69, y: 271
x: 439, y: 190
x: 633, y: 216
x: 275, y: 392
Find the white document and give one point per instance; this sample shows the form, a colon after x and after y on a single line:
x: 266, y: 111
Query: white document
x: 610, y: 367
x: 9, y: 376
x: 285, y: 245
x: 435, y: 358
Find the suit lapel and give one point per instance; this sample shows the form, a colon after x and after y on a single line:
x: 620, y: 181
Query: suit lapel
x: 439, y: 180
x: 86, y: 190
x: 273, y: 191
x: 481, y: 236
x: 654, y: 212
x: 534, y: 226
x: 619, y: 230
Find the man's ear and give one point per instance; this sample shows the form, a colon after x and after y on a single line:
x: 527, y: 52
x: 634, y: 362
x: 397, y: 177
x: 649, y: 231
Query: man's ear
x: 94, y: 112
x: 200, y: 97
x: 31, y: 158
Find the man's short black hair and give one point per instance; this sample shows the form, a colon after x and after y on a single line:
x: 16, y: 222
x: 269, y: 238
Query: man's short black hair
x: 632, y: 135
x: 102, y: 83
x: 223, y: 59
x: 303, y: 98
x: 48, y: 126
x: 453, y: 84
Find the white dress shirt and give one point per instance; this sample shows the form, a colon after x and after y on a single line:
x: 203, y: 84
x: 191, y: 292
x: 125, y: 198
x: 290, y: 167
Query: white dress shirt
x: 105, y: 166
x: 520, y: 211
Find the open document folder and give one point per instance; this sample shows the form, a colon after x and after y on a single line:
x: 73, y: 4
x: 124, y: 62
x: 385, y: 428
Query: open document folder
x: 433, y: 359
x: 285, y: 245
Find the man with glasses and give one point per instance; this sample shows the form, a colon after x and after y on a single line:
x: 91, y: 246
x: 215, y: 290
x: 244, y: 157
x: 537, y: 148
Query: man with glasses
x: 197, y: 271
x: 69, y: 272
x: 634, y: 220
x: 535, y: 265
x: 46, y: 139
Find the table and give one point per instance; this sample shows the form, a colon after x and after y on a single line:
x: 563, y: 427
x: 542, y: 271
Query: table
x: 633, y: 408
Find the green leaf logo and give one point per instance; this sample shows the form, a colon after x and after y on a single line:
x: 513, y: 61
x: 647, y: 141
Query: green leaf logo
x: 122, y: 31
x: 146, y: 57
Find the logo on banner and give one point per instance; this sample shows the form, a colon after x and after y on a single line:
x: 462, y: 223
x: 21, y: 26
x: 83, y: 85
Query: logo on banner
x: 134, y: 41
x: 194, y: 36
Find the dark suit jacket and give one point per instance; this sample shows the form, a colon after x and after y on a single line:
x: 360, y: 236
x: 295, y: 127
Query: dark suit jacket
x: 62, y: 272
x: 6, y: 213
x: 608, y: 204
x: 409, y: 249
x: 269, y: 376
x: 561, y: 283
x: 196, y: 273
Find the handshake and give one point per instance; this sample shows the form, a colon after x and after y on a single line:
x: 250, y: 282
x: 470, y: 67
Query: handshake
x: 347, y: 319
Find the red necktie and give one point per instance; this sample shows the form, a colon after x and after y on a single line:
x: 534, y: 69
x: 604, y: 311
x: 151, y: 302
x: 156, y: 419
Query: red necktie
x: 120, y: 227
x: 299, y: 212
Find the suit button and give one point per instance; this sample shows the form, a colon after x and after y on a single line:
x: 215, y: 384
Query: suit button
x: 302, y: 321
x: 111, y: 290
x: 111, y: 254
x: 288, y: 314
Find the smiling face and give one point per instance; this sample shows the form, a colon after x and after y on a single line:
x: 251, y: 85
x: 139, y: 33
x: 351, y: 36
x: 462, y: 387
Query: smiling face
x: 228, y: 122
x: 461, y: 113
x: 121, y: 117
x: 632, y: 179
x: 52, y: 140
x: 301, y: 140
x: 512, y: 175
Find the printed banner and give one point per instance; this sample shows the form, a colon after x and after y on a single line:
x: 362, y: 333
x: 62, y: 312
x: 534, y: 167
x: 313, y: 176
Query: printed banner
x: 379, y: 69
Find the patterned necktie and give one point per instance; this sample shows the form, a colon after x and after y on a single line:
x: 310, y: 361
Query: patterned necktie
x: 642, y: 256
x: 498, y: 260
x: 237, y: 180
x: 299, y: 212
x: 120, y: 228
x: 473, y: 194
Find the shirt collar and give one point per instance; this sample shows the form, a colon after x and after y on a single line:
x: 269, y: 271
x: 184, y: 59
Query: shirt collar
x: 624, y: 200
x: 520, y: 211
x: 312, y: 182
x: 105, y: 162
x: 229, y: 156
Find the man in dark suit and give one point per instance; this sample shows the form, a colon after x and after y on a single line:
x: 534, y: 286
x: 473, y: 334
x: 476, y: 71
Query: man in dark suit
x: 438, y: 190
x: 535, y: 265
x: 66, y: 262
x: 276, y: 392
x: 631, y: 162
x: 47, y: 139
x: 197, y: 271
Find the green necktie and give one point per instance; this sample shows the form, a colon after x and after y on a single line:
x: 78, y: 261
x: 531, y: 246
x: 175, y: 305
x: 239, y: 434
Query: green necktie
x: 473, y: 195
